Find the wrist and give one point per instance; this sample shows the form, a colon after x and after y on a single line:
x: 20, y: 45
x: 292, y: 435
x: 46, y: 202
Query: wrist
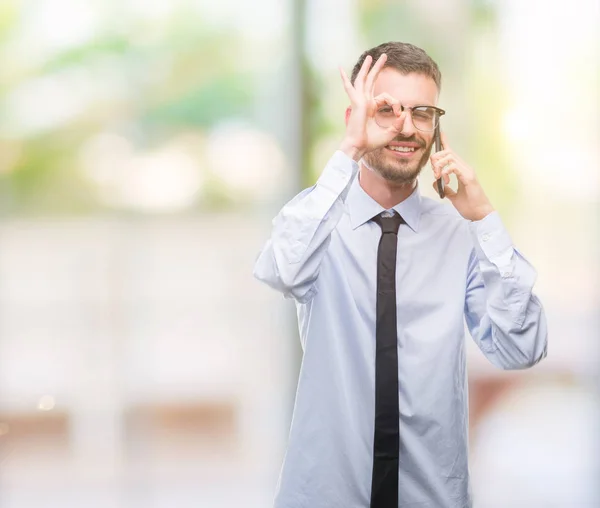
x: 351, y: 151
x: 482, y: 213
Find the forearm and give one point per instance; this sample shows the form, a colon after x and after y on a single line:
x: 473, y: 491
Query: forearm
x: 506, y: 319
x: 301, y: 231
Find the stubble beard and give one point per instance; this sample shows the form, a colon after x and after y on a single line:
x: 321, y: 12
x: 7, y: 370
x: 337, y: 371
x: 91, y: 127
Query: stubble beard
x: 396, y: 170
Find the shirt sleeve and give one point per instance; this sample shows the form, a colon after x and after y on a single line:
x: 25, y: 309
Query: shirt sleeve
x: 504, y: 317
x: 290, y: 260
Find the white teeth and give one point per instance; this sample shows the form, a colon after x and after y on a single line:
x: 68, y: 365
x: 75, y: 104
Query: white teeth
x: 401, y: 148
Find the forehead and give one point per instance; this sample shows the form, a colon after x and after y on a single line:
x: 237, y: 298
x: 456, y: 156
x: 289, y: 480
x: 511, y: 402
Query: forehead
x: 410, y: 89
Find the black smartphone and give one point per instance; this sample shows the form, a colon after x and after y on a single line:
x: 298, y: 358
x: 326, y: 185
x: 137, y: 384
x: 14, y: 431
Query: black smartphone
x: 438, y: 148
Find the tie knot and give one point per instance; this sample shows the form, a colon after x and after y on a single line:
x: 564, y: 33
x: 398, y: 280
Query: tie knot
x: 388, y: 223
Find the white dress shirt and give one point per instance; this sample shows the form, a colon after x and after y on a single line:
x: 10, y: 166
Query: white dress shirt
x: 323, y: 254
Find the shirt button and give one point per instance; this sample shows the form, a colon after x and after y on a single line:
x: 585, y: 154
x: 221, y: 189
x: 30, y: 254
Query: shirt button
x: 485, y: 237
x: 506, y: 274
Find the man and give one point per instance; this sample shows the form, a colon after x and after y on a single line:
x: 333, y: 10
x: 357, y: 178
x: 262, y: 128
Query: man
x: 384, y: 280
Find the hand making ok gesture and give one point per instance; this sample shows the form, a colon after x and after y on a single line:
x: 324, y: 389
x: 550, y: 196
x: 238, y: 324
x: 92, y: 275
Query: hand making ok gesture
x: 363, y: 134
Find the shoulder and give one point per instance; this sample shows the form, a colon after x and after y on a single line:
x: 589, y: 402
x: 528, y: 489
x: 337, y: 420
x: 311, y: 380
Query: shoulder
x: 441, y: 220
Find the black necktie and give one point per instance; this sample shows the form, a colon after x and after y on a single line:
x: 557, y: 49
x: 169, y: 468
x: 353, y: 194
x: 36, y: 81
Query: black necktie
x: 386, y: 444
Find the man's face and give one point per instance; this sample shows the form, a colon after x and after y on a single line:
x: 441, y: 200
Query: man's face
x: 410, y: 90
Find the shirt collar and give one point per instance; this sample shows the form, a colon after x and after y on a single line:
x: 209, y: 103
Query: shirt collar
x: 363, y: 207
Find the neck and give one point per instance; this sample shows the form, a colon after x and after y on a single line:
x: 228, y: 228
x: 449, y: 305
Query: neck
x: 387, y: 194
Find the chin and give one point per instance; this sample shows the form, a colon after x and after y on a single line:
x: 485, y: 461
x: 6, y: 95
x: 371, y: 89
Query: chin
x: 401, y: 177
x: 393, y: 174
x: 400, y: 172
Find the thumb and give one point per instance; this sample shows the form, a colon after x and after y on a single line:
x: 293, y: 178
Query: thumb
x: 448, y: 192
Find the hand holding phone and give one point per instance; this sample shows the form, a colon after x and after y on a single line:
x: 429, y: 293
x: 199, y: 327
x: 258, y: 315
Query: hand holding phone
x: 438, y: 148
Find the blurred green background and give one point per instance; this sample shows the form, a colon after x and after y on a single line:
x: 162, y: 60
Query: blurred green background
x: 144, y: 147
x: 133, y: 81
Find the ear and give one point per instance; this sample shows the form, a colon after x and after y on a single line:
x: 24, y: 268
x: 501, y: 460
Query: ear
x: 348, y: 112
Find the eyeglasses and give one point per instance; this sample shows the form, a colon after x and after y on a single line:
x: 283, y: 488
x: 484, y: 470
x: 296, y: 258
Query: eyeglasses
x: 424, y: 118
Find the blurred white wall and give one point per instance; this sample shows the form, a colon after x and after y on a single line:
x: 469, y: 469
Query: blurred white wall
x: 102, y: 319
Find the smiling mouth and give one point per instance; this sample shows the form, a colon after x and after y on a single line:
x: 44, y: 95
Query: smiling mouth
x: 404, y: 152
x: 405, y: 149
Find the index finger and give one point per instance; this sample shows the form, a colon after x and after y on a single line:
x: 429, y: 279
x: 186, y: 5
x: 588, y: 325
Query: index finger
x: 439, y: 155
x: 370, y: 83
x: 398, y: 124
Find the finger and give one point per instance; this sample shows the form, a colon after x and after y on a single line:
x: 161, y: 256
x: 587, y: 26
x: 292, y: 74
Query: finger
x: 464, y: 173
x: 438, y: 165
x: 461, y: 174
x: 398, y: 125
x: 347, y: 85
x: 445, y: 174
x: 437, y: 155
x: 443, y: 161
x: 359, y: 82
x: 448, y: 191
x: 386, y: 98
x: 372, y: 76
x: 451, y: 168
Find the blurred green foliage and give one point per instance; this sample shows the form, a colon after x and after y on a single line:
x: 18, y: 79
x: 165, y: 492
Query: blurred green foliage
x: 154, y: 79
x: 150, y: 82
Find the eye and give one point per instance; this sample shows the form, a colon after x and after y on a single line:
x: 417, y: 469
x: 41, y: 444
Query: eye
x: 385, y: 110
x: 424, y: 113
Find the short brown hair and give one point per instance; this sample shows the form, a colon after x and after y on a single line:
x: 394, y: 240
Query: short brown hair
x: 403, y: 57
